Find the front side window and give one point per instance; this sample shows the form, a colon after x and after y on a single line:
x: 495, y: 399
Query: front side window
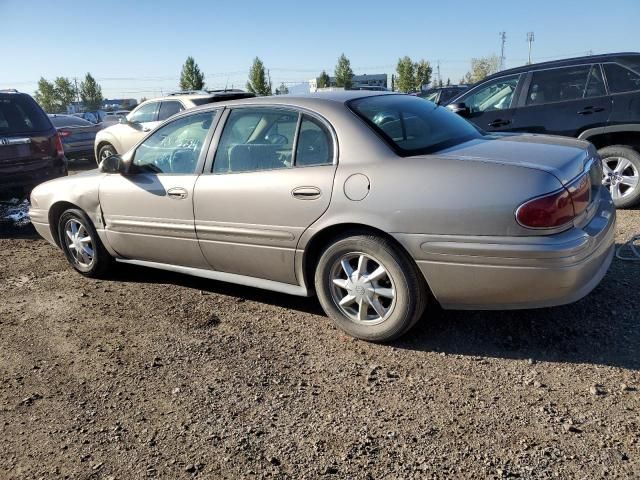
x: 146, y: 113
x: 495, y: 95
x: 169, y: 108
x: 174, y: 148
x: 412, y: 126
x: 256, y: 139
x: 621, y: 79
x: 565, y: 84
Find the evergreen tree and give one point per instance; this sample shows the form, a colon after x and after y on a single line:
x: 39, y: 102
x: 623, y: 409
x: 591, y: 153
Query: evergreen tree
x: 191, y: 78
x: 343, y: 73
x: 323, y: 80
x: 258, y: 82
x: 91, y: 93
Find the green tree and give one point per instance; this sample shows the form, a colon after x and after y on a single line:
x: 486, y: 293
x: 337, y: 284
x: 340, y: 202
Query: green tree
x: 343, y: 73
x: 423, y: 74
x: 65, y: 93
x: 258, y: 82
x: 323, y: 80
x: 481, y: 68
x: 45, y: 95
x: 90, y: 93
x: 282, y: 90
x: 191, y: 78
x: 406, y: 79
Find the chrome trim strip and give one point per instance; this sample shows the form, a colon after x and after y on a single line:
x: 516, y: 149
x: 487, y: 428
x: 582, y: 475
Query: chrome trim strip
x: 182, y: 227
x: 5, y: 141
x: 225, y: 277
x: 245, y: 232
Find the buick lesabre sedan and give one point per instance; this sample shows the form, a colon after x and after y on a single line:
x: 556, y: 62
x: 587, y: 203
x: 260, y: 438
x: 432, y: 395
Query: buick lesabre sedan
x: 378, y: 203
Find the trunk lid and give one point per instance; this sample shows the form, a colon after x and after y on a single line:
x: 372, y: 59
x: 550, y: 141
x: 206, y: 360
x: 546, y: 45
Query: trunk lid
x: 565, y: 158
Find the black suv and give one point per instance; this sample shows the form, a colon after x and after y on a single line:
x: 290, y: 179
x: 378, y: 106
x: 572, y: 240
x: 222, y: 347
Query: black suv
x: 595, y: 98
x: 30, y: 149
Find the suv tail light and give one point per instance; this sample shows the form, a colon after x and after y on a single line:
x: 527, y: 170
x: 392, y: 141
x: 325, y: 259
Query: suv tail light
x: 557, y: 208
x: 59, y: 147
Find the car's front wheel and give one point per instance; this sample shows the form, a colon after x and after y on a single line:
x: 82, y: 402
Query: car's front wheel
x: 82, y: 245
x: 621, y: 169
x: 369, y: 287
x: 106, y: 151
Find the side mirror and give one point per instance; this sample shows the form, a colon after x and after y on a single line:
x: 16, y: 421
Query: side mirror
x: 460, y: 108
x: 113, y: 164
x: 123, y: 120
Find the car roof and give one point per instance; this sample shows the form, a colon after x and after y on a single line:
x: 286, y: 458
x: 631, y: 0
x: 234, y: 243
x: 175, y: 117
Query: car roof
x: 565, y: 62
x: 308, y: 100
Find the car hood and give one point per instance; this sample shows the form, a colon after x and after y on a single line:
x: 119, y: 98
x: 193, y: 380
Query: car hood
x: 565, y: 158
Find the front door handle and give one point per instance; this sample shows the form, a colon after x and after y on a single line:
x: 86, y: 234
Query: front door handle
x: 499, y: 123
x: 177, y: 193
x: 306, y: 193
x: 590, y: 110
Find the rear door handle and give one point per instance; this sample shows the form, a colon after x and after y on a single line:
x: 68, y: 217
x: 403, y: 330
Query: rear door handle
x: 499, y: 123
x: 306, y: 193
x: 590, y: 110
x: 177, y: 193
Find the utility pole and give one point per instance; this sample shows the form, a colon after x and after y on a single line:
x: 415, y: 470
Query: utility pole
x: 503, y: 40
x: 530, y: 39
x: 439, y: 77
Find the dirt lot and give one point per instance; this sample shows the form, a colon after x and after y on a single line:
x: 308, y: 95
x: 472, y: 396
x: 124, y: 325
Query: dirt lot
x: 153, y: 374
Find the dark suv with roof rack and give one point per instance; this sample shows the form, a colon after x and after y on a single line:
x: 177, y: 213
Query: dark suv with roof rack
x: 594, y: 98
x: 31, y: 150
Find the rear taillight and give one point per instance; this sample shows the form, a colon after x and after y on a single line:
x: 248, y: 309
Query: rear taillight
x: 64, y: 133
x: 59, y: 148
x: 558, y: 208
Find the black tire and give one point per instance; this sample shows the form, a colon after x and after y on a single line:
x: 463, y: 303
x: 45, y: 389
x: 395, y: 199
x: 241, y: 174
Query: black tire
x: 105, y: 151
x: 402, y: 276
x: 624, y: 196
x: 101, y: 261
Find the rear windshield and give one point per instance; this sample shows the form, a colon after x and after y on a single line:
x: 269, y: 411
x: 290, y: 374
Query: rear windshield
x: 69, y: 121
x: 413, y: 126
x: 20, y: 114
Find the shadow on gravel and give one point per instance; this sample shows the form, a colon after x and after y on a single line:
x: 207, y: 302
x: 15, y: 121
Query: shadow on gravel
x: 603, y: 328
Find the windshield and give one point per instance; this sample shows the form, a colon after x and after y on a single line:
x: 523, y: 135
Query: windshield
x: 413, y: 126
x: 21, y: 114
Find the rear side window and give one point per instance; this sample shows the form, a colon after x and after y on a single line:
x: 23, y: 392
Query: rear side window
x: 20, y: 114
x: 314, y: 144
x: 621, y: 79
x: 565, y: 84
x: 412, y: 126
x: 169, y: 108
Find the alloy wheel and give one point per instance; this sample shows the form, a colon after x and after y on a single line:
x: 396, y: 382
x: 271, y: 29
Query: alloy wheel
x: 620, y: 176
x: 105, y: 153
x: 79, y: 243
x: 362, y: 288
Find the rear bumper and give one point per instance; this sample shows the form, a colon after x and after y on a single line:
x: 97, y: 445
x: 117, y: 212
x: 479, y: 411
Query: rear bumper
x: 26, y: 181
x: 495, y: 273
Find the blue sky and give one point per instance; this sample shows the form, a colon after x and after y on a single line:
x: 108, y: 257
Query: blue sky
x: 136, y: 48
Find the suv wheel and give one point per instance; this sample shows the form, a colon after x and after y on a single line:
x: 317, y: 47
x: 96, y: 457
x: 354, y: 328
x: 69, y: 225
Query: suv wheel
x: 621, y: 168
x: 369, y: 287
x: 81, y: 244
x: 106, y: 152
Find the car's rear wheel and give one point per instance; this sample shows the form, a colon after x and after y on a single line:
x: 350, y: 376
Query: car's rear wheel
x: 369, y: 287
x: 106, y: 151
x: 81, y: 244
x: 621, y: 169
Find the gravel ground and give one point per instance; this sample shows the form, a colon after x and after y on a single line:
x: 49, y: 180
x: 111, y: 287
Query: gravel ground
x: 153, y: 374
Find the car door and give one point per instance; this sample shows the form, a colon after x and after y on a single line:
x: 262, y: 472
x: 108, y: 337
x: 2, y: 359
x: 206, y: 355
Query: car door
x: 270, y: 178
x: 492, y: 104
x: 139, y: 122
x: 148, y: 212
x: 564, y: 101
